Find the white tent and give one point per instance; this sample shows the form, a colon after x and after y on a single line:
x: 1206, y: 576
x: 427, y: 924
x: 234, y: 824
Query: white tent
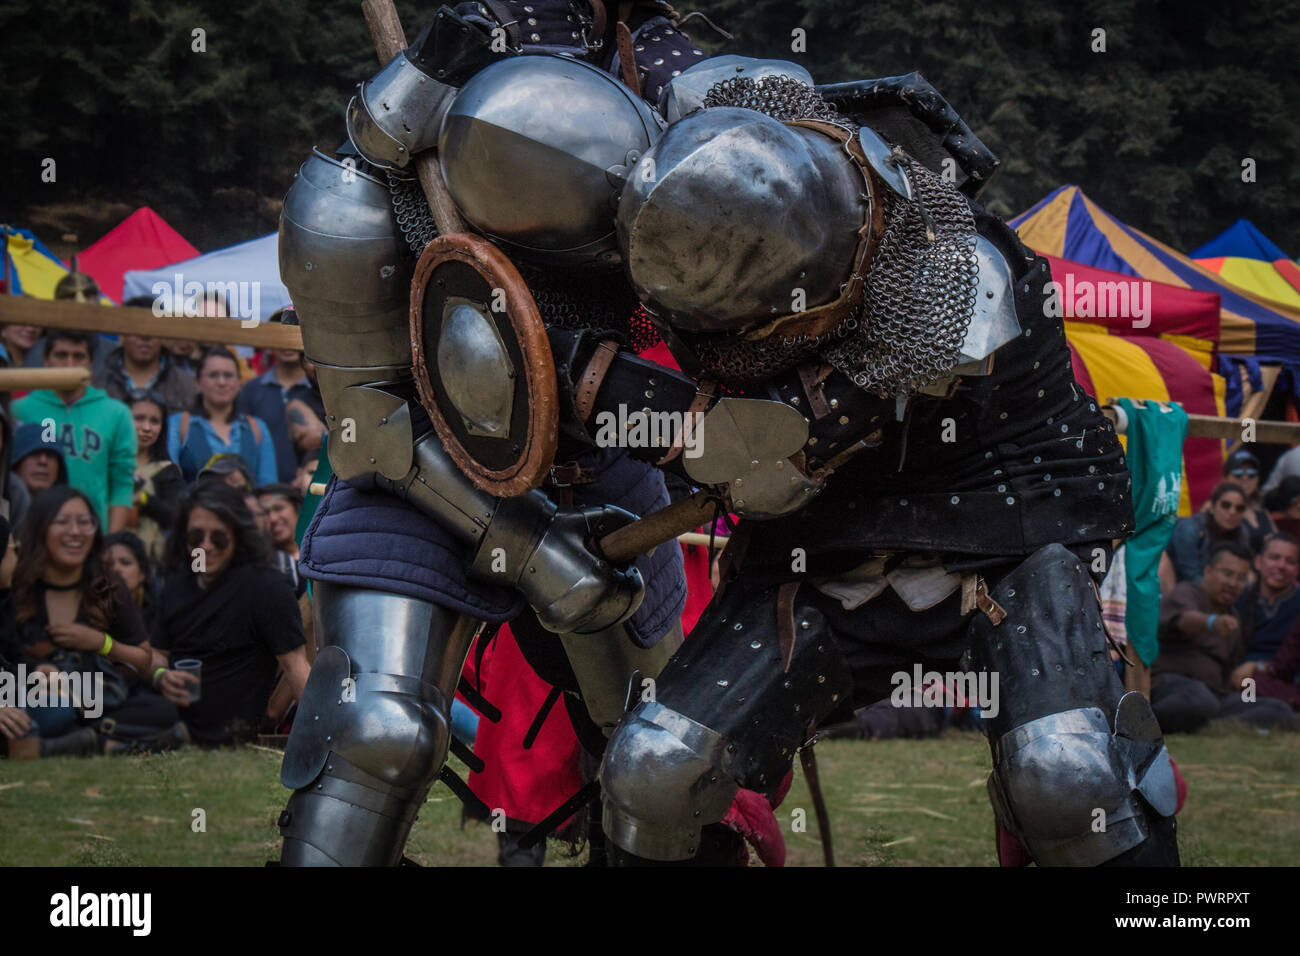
x: 246, y: 276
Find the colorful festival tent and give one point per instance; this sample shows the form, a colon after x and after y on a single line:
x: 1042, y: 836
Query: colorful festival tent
x: 1160, y: 347
x: 1251, y: 330
x: 31, y: 268
x: 247, y: 275
x: 143, y: 240
x: 1247, y: 258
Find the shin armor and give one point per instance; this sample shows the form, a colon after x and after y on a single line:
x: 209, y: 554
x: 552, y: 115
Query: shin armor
x: 372, y: 728
x: 1081, y: 774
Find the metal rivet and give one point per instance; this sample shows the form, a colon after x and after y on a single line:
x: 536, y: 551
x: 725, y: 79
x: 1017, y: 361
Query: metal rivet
x: 738, y: 626
x: 954, y: 499
x: 1002, y: 489
x: 1010, y: 500
x: 805, y: 625
x: 723, y: 683
x: 755, y: 644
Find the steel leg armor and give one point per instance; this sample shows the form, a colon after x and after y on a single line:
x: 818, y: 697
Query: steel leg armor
x: 723, y: 714
x: 372, y: 727
x: 1081, y: 774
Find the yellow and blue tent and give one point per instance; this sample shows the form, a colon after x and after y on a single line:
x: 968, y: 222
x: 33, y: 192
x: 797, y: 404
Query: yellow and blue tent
x: 1247, y: 258
x: 1252, y: 329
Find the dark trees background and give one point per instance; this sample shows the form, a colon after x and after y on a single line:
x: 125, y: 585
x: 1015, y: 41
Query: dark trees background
x: 1155, y: 128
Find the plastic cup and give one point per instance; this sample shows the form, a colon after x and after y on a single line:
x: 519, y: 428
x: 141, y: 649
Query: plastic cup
x: 191, y: 665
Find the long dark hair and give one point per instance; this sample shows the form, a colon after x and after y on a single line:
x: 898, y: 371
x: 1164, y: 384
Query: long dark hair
x: 227, y: 504
x: 148, y: 598
x: 159, y: 450
x: 99, y: 592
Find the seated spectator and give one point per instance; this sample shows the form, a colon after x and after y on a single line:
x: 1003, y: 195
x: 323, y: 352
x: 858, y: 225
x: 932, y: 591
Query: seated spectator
x: 1242, y: 469
x: 1283, y: 505
x: 308, y: 462
x: 228, y: 469
x: 226, y: 606
x: 139, y: 365
x: 16, y: 341
x: 1201, y: 645
x: 286, y: 398
x: 125, y: 556
x: 96, y: 432
x: 281, y: 504
x: 1193, y: 538
x: 214, y: 426
x: 14, y: 497
x: 38, y: 464
x: 159, y: 485
x: 1269, y: 607
x: 255, y: 509
x: 1275, y: 678
x: 73, y: 617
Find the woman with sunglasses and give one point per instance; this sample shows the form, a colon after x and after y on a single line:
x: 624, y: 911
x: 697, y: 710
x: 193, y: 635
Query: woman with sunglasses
x: 73, y: 616
x: 1242, y: 468
x: 226, y: 606
x: 1193, y: 538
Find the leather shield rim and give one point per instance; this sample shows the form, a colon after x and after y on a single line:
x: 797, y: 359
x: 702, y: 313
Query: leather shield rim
x: 534, y: 463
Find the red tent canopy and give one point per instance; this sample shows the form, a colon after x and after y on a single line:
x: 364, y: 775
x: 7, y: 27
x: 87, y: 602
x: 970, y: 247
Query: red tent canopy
x: 1174, y: 312
x: 142, y: 240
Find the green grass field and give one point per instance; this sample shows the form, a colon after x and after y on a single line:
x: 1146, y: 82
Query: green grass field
x: 892, y: 803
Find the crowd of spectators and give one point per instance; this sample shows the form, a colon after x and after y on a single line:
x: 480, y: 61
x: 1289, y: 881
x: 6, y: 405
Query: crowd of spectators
x: 148, y: 517
x: 1230, y: 607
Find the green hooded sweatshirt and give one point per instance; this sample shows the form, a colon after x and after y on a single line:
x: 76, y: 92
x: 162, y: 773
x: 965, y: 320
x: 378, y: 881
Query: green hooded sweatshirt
x: 98, y: 440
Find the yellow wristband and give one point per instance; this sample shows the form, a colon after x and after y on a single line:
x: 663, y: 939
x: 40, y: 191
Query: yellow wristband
x: 158, y: 673
x: 108, y: 645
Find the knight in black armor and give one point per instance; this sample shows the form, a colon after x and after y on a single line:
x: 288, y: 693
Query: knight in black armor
x: 883, y: 401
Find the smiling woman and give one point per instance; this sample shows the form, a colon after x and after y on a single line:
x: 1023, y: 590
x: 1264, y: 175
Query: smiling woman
x: 74, y: 618
x: 214, y: 426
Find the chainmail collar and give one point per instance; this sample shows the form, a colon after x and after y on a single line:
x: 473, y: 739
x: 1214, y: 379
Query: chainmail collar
x: 920, y: 293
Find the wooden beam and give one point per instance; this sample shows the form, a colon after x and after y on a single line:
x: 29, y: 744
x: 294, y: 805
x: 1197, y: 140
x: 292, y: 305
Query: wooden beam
x: 129, y: 320
x: 16, y: 379
x: 1232, y: 429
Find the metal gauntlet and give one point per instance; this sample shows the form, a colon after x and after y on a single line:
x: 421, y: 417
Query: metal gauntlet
x: 529, y: 543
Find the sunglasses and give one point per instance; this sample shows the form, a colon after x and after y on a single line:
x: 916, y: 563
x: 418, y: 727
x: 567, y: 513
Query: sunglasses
x: 196, y: 537
x: 1244, y: 473
x: 1232, y: 507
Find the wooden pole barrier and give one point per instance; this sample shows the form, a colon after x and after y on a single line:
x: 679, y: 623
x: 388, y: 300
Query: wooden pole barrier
x: 16, y: 379
x: 1215, y: 426
x: 130, y: 320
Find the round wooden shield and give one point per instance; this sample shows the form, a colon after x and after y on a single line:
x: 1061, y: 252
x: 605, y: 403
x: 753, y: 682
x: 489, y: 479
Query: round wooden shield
x: 476, y: 336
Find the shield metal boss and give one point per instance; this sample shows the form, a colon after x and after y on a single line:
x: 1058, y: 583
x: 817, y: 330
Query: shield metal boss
x: 483, y: 364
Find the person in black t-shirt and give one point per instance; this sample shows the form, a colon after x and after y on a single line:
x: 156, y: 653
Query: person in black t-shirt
x: 226, y: 606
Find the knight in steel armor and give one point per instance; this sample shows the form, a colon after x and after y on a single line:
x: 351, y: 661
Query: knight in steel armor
x: 877, y: 390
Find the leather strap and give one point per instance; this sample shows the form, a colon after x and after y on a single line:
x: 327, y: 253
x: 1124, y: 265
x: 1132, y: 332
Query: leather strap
x: 733, y: 556
x: 592, y: 376
x: 703, y: 398
x: 785, y: 622
x: 509, y: 22
x: 824, y: 318
x: 984, y: 602
x: 599, y: 19
x: 812, y: 377
x: 627, y: 57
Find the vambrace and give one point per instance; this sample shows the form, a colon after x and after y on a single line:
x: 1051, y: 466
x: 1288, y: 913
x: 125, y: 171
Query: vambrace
x: 527, y: 543
x: 1081, y: 774
x: 372, y: 728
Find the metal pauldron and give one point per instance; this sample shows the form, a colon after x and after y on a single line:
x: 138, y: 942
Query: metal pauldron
x: 665, y: 777
x: 1069, y: 788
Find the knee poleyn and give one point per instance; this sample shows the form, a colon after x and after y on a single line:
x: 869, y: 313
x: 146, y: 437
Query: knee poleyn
x: 664, y: 778
x: 1074, y: 791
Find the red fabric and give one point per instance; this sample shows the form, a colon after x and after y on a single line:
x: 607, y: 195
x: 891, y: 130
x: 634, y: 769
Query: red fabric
x: 1174, y: 310
x: 142, y: 240
x: 751, y: 816
x: 527, y: 784
x: 699, y: 585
